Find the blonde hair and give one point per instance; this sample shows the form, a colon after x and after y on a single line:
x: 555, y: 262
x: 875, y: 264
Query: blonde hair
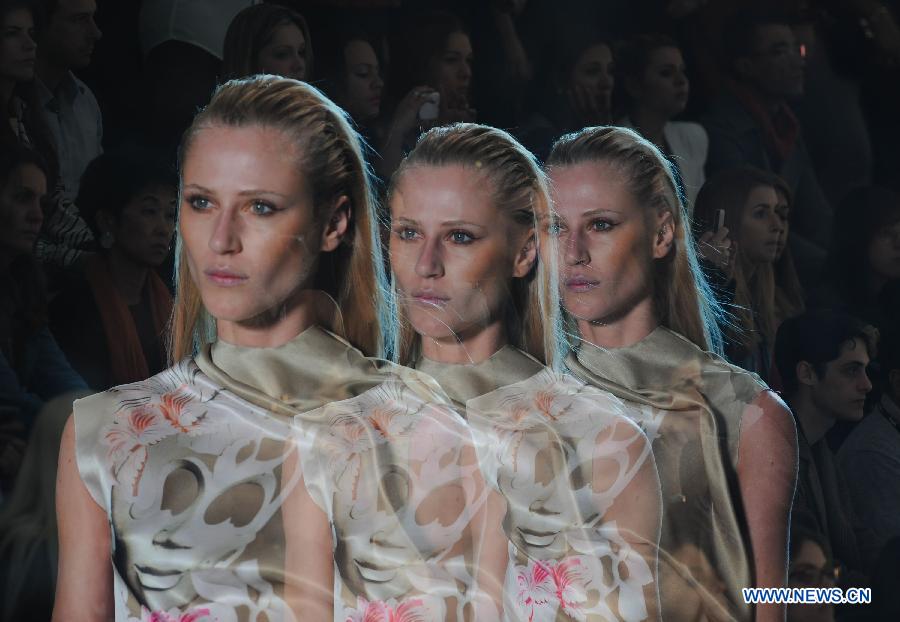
x: 521, y: 191
x: 331, y: 161
x: 683, y: 300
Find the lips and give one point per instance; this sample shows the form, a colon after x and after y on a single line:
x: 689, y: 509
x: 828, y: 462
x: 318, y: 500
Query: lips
x: 374, y: 574
x: 430, y: 299
x: 539, y: 539
x: 155, y: 579
x: 225, y: 277
x: 580, y: 284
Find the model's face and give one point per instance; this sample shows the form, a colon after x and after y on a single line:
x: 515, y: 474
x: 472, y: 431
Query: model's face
x: 810, y: 568
x: 594, y: 72
x: 143, y: 230
x: 841, y: 391
x: 453, y: 71
x: 606, y: 251
x: 247, y: 222
x: 775, y: 64
x: 20, y: 209
x: 761, y: 226
x: 17, y: 46
x: 664, y: 85
x: 363, y: 83
x: 453, y: 253
x: 69, y: 38
x: 285, y: 53
x: 783, y: 209
x: 884, y: 252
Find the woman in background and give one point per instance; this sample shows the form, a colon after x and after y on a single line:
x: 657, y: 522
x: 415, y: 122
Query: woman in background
x: 267, y: 38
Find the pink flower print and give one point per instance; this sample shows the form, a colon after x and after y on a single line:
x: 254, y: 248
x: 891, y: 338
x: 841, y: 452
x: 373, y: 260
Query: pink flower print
x: 570, y: 578
x: 128, y: 439
x: 412, y: 610
x: 173, y: 407
x: 174, y: 615
x: 543, y: 402
x: 536, y: 587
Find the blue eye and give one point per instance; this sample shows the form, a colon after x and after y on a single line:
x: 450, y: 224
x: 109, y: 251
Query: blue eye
x: 601, y: 225
x: 461, y: 237
x: 199, y: 203
x: 261, y: 208
x: 406, y: 234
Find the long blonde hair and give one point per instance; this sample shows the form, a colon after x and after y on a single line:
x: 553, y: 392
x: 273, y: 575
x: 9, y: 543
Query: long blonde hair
x: 683, y: 300
x: 331, y: 161
x: 520, y: 190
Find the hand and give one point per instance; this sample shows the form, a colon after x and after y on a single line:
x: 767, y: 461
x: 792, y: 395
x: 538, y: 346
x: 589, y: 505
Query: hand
x: 717, y: 249
x: 590, y: 107
x: 406, y: 115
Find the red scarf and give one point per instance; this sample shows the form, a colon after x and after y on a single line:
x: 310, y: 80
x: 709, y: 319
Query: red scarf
x: 126, y: 354
x: 780, y: 127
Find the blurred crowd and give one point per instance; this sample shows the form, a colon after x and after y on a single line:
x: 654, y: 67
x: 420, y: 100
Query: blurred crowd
x: 778, y: 116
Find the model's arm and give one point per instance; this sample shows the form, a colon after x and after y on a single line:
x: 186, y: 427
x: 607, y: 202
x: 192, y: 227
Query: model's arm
x: 84, y: 585
x: 767, y: 475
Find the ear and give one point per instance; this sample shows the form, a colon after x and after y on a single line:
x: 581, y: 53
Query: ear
x: 526, y: 256
x: 806, y: 375
x: 337, y: 225
x: 664, y: 236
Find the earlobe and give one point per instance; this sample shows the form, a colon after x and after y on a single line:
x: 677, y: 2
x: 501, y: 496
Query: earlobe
x: 805, y: 374
x: 526, y: 257
x: 337, y: 226
x: 665, y: 236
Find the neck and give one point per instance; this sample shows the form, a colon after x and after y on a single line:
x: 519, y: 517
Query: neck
x: 128, y: 276
x: 812, y: 421
x: 51, y: 75
x: 466, y: 349
x: 276, y: 326
x: 651, y: 124
x: 639, y: 322
x: 6, y: 92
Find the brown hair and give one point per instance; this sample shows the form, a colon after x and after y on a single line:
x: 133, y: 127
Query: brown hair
x: 331, y: 160
x: 753, y: 309
x: 250, y: 31
x: 520, y: 190
x: 682, y: 298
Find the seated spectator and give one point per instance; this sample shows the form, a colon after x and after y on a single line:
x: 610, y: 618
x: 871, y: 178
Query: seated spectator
x: 810, y: 567
x: 577, y: 94
x: 870, y: 457
x: 28, y: 539
x: 429, y: 84
x: 752, y: 124
x: 267, y: 38
x: 822, y: 358
x: 350, y: 74
x: 862, y: 274
x: 110, y: 323
x: 32, y: 367
x: 745, y: 269
x: 789, y: 297
x: 657, y: 87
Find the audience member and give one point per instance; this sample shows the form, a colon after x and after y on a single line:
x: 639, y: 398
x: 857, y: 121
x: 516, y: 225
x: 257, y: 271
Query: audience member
x: 789, y: 295
x: 32, y: 367
x: 745, y: 272
x: 110, y: 322
x: 810, y: 567
x: 67, y: 105
x: 577, y: 94
x: 657, y: 87
x: 862, y: 274
x: 822, y: 358
x: 28, y: 541
x: 752, y: 124
x: 870, y: 457
x: 350, y: 74
x: 267, y: 38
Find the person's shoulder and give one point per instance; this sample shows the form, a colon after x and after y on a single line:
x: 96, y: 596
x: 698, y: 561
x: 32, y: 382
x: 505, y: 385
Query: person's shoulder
x: 84, y: 93
x: 871, y: 435
x: 687, y: 135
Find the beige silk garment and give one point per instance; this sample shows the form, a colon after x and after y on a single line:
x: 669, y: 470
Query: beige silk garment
x: 690, y: 404
x: 192, y: 468
x: 580, y: 502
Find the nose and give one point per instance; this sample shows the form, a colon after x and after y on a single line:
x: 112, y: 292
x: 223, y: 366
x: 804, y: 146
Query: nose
x: 776, y: 223
x: 465, y: 71
x: 378, y: 83
x: 865, y: 384
x: 225, y: 238
x: 429, y: 264
x: 35, y: 214
x: 681, y: 79
x: 96, y: 33
x: 30, y: 44
x: 299, y: 68
x: 576, y: 251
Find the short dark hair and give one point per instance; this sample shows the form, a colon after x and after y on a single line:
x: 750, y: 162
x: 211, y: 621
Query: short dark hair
x: 633, y: 55
x: 739, y: 35
x: 250, y: 31
x: 817, y: 337
x: 115, y: 177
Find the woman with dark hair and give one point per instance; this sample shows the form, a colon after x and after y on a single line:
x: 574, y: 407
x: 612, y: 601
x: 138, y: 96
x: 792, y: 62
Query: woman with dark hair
x: 581, y: 83
x: 32, y: 367
x: 643, y: 325
x: 863, y: 268
x: 267, y: 38
x: 110, y: 322
x: 656, y: 86
x: 349, y: 72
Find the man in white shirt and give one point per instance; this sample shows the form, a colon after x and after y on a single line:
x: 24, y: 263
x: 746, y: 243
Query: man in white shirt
x: 67, y: 105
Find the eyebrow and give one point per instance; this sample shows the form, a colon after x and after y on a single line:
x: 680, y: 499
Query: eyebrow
x: 242, y: 193
x: 447, y: 223
x: 600, y: 212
